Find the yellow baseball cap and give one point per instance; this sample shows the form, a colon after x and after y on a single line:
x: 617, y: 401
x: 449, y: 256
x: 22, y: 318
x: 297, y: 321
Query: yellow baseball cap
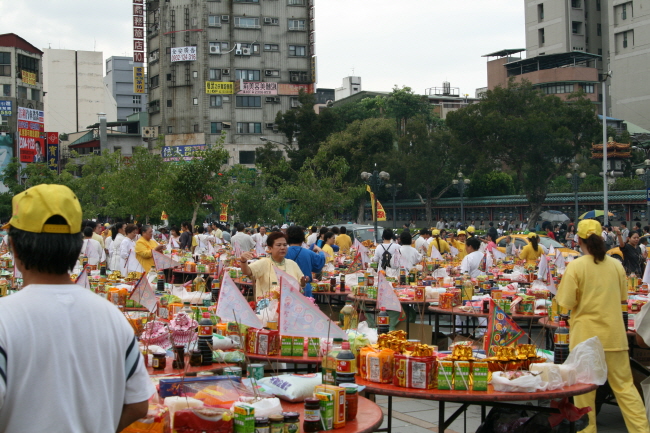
x: 435, y: 232
x: 461, y: 232
x: 532, y: 235
x: 471, y: 229
x: 587, y: 228
x: 33, y: 207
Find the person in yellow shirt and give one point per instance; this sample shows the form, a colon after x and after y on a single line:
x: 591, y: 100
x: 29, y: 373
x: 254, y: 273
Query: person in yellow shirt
x: 458, y: 242
x: 440, y: 244
x: 533, y: 250
x: 593, y: 287
x: 343, y: 240
x: 327, y: 247
x: 144, y: 247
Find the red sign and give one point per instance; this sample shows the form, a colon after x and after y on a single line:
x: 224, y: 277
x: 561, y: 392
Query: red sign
x: 31, y: 135
x: 138, y: 10
x: 138, y: 21
x: 138, y: 57
x: 138, y: 33
x: 138, y: 45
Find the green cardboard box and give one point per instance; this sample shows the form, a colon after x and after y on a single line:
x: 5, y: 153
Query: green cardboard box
x: 480, y: 376
x: 244, y: 418
x: 313, y: 346
x: 326, y: 410
x: 461, y: 375
x: 286, y: 345
x: 298, y: 346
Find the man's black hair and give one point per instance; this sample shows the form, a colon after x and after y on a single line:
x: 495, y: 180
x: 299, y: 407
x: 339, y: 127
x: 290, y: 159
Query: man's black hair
x: 387, y: 235
x: 88, y: 232
x: 295, y: 235
x: 343, y: 230
x: 51, y: 253
x: 475, y: 243
x: 405, y: 238
x: 91, y: 224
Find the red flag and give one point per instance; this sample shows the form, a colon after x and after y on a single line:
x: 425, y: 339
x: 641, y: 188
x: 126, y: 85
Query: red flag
x: 501, y: 329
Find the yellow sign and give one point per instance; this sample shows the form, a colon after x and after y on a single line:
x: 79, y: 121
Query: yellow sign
x: 28, y: 77
x: 219, y: 87
x: 138, y: 79
x: 380, y: 213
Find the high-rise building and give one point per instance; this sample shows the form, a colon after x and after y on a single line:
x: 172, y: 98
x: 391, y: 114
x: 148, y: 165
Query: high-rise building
x: 227, y: 65
x: 618, y: 30
x: 119, y: 81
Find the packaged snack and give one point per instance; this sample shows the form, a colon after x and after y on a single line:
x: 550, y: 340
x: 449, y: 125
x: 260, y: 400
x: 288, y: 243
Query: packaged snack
x: 262, y: 341
x: 203, y: 419
x: 290, y: 387
x: 380, y: 366
x: 461, y: 375
x: 338, y: 394
x: 414, y: 371
x: 244, y: 418
x: 480, y: 376
x: 157, y: 421
x: 287, y: 345
x: 446, y: 375
x: 363, y: 361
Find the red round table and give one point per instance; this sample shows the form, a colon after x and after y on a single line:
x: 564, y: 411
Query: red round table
x: 419, y: 306
x: 369, y: 416
x: 310, y: 361
x: 169, y: 370
x: 467, y: 398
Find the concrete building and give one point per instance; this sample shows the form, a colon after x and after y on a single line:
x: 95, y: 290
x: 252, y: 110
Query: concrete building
x: 618, y: 30
x: 227, y: 66
x: 349, y: 87
x: 119, y: 81
x: 73, y: 83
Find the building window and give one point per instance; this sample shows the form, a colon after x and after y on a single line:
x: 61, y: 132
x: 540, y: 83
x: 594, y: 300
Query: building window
x: 216, y: 100
x: 170, y: 129
x: 255, y: 48
x: 137, y: 109
x: 5, y: 64
x: 271, y: 47
x: 272, y: 21
x: 588, y: 88
x: 576, y: 3
x: 299, y: 76
x: 296, y: 2
x: 249, y: 101
x: 214, y: 74
x: 272, y: 73
x: 137, y: 99
x: 247, y: 74
x: 28, y: 64
x: 624, y: 39
x: 599, y: 29
x: 297, y: 25
x: 600, y: 51
x: 154, y: 81
x: 624, y: 12
x: 6, y: 90
x: 249, y: 128
x: 215, y: 127
x: 297, y: 50
x: 196, y: 127
x: 195, y: 101
x: 540, y: 12
x: 154, y: 106
x: 247, y: 157
x: 214, y: 20
x: 169, y: 102
x: 169, y: 77
x: 36, y: 95
x: 218, y: 47
x: 576, y: 27
x: 108, y: 66
x: 294, y: 102
x: 21, y: 92
x: 598, y: 5
x: 540, y: 35
x: 247, y: 23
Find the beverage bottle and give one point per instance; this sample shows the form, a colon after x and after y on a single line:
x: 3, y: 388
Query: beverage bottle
x: 160, y: 282
x: 205, y: 339
x: 348, y: 317
x: 346, y: 365
x: 187, y: 309
x: 383, y: 322
x: 342, y: 286
x: 216, y: 285
x: 402, y: 277
x: 199, y: 284
x: 329, y: 362
x: 561, y: 341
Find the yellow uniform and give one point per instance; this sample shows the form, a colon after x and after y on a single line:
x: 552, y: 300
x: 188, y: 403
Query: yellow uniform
x: 264, y: 274
x: 344, y: 242
x: 594, y: 292
x: 329, y: 253
x: 530, y: 255
x: 143, y: 253
x: 461, y: 247
x: 440, y: 244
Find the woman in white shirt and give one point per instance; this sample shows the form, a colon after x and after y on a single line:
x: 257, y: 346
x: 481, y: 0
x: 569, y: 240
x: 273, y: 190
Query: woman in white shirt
x: 202, y: 240
x: 174, y: 239
x: 128, y: 245
x: 407, y: 257
x: 472, y: 261
x: 118, y: 236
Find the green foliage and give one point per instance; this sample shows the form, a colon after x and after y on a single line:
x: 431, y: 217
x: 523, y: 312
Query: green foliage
x: 250, y: 198
x: 626, y: 184
x: 403, y: 105
x: 491, y: 184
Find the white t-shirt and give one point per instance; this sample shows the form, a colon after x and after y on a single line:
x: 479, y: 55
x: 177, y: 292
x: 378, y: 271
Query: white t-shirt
x: 94, y: 251
x: 260, y: 241
x: 408, y: 257
x: 70, y: 359
x: 244, y: 241
x: 470, y: 264
x: 422, y: 245
x: 379, y: 251
x: 312, y: 238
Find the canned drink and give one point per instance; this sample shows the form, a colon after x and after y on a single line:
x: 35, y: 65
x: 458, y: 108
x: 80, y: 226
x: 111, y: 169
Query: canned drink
x: 255, y: 371
x: 232, y: 371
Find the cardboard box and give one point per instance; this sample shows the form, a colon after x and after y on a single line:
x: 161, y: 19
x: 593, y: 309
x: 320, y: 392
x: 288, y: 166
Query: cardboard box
x: 461, y: 375
x: 262, y: 341
x: 244, y: 418
x: 338, y: 395
x: 446, y: 375
x: 313, y: 347
x: 298, y: 346
x: 414, y: 371
x: 479, y: 376
x: 326, y: 410
x: 287, y: 345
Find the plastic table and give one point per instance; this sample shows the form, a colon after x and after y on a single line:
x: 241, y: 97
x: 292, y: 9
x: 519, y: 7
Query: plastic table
x: 312, y: 362
x: 369, y: 416
x: 467, y: 398
x: 419, y: 306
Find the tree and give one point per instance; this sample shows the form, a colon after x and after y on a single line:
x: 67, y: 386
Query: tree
x: 251, y: 198
x: 403, y: 105
x: 493, y: 183
x: 534, y: 135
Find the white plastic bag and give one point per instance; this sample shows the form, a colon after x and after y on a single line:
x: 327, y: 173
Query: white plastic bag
x: 527, y: 383
x: 370, y: 333
x: 588, y: 359
x: 263, y: 407
x: 549, y: 373
x: 269, y: 313
x: 290, y: 387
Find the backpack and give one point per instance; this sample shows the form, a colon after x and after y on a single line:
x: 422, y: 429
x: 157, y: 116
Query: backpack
x: 386, y: 258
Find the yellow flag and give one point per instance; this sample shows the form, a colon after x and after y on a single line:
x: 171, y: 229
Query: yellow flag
x: 379, y: 213
x: 164, y: 216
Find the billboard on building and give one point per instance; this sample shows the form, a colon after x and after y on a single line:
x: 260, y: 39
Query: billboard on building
x: 294, y: 89
x: 31, y: 139
x: 28, y: 77
x: 219, y: 87
x: 6, y: 108
x: 53, y: 150
x: 138, y: 79
x: 256, y: 88
x: 181, y: 153
x: 183, y: 54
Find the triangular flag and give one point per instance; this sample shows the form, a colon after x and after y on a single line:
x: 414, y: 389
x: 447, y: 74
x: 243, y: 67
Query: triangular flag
x: 211, y: 251
x: 560, y: 263
x: 363, y: 251
x: 543, y: 268
x: 132, y: 264
x: 489, y: 262
x: 236, y: 250
x: 355, y: 266
x: 82, y: 279
x: 558, y: 253
x: 646, y: 273
x: 549, y: 281
x: 454, y: 251
x: 233, y: 307
x: 551, y: 251
x: 501, y: 329
x: 162, y: 261
x: 144, y: 295
x: 356, y: 244
x: 435, y: 254
x: 498, y: 255
x: 386, y: 296
x: 301, y: 318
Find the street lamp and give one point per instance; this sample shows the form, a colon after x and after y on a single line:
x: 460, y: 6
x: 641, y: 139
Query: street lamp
x: 576, y: 180
x: 394, y: 189
x: 644, y: 174
x: 375, y: 180
x: 461, y: 183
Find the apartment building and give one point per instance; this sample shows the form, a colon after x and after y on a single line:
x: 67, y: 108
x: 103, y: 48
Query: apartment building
x: 228, y: 65
x: 119, y: 82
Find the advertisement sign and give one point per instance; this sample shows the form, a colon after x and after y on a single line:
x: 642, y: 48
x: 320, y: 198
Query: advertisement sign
x: 183, y: 54
x: 219, y: 87
x: 138, y: 79
x: 138, y: 33
x: 28, y: 77
x: 6, y: 108
x: 181, y: 153
x: 6, y: 153
x: 31, y: 147
x: 53, y: 150
x: 258, y: 88
x: 294, y: 89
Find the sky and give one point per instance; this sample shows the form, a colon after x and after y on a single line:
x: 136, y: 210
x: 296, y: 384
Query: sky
x: 415, y: 43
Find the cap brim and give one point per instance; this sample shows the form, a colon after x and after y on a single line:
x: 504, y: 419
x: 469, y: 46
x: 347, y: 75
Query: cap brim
x: 6, y: 226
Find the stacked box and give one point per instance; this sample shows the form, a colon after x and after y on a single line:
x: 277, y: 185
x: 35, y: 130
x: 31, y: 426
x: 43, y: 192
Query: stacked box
x: 262, y: 341
x: 287, y: 345
x: 313, y: 347
x: 298, y: 346
x: 326, y: 410
x: 244, y: 418
x: 480, y: 374
x: 446, y: 375
x: 338, y: 394
x: 462, y: 375
x: 414, y: 371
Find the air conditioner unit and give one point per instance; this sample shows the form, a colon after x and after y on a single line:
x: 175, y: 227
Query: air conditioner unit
x: 153, y: 57
x: 295, y: 79
x: 268, y: 20
x: 268, y: 73
x: 272, y: 100
x: 225, y: 125
x: 215, y: 49
x: 270, y: 125
x: 149, y: 131
x: 246, y: 51
x: 225, y: 72
x: 295, y: 103
x: 225, y: 18
x: 239, y: 52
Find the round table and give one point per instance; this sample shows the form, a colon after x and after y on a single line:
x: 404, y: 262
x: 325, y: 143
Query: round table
x: 369, y: 416
x: 419, y: 306
x: 169, y: 370
x: 467, y: 398
x: 551, y: 325
x: 310, y: 361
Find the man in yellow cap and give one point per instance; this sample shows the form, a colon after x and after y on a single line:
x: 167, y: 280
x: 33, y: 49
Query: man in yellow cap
x: 458, y: 242
x: 440, y: 244
x: 81, y: 334
x: 593, y: 287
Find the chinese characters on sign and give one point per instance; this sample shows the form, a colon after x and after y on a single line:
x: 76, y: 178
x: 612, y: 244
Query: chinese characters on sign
x: 138, y: 79
x: 138, y: 33
x: 258, y: 88
x: 181, y: 153
x: 6, y: 108
x: 219, y: 87
x: 30, y: 133
x: 53, y: 150
x: 294, y: 89
x: 28, y: 77
x: 183, y: 54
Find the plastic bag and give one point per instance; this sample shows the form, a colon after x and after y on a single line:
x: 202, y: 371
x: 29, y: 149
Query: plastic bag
x: 220, y: 342
x: 269, y: 313
x: 549, y: 373
x: 291, y: 387
x: 588, y: 359
x: 264, y: 407
x: 228, y: 357
x: 525, y: 383
x: 370, y: 333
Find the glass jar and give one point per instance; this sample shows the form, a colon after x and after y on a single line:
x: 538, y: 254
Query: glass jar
x: 351, y: 401
x: 159, y: 361
x: 277, y: 423
x: 291, y: 422
x: 262, y: 425
x: 311, y: 423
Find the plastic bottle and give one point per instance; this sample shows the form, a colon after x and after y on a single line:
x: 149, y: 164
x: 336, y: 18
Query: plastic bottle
x: 187, y: 309
x: 342, y: 285
x: 205, y: 338
x: 348, y: 317
x: 561, y: 340
x: 402, y: 277
x: 199, y: 284
x: 152, y: 276
x: 329, y: 362
x: 216, y: 285
x: 346, y: 365
x: 383, y: 322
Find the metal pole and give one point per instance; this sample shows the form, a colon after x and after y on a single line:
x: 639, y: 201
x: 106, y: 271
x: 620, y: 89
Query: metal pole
x: 575, y: 190
x: 394, y: 214
x: 605, y: 185
x: 462, y: 208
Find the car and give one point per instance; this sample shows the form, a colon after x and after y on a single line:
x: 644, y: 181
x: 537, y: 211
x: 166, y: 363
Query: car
x: 522, y: 240
x: 618, y: 254
x: 362, y: 232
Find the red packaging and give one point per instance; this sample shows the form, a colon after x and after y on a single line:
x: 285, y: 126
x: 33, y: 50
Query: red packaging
x: 263, y: 341
x: 419, y: 294
x: 156, y: 421
x: 415, y: 371
x: 203, y: 420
